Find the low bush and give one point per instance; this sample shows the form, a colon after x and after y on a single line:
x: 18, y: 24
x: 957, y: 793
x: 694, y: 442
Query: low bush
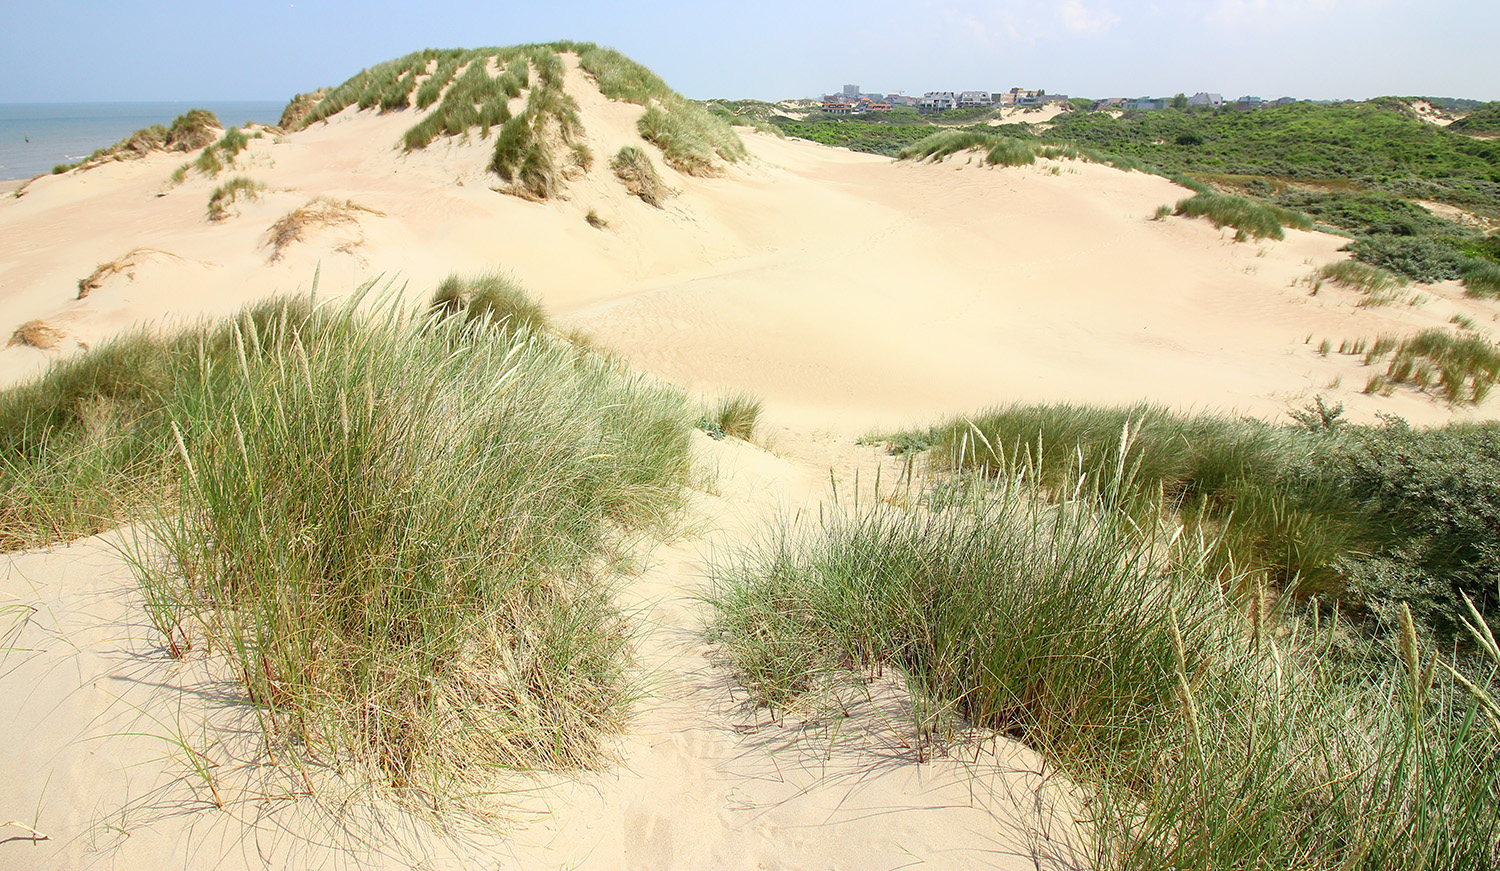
x: 1421, y: 258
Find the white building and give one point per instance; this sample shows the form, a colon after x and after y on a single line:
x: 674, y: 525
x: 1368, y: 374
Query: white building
x: 938, y: 101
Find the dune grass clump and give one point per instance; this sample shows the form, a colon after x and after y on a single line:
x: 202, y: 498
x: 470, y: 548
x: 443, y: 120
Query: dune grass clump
x: 1226, y: 477
x: 634, y: 169
x: 692, y: 140
x: 189, y: 131
x: 1463, y: 367
x: 1481, y: 278
x: 298, y: 108
x: 1206, y: 729
x: 1251, y: 217
x: 86, y: 446
x: 399, y: 525
x: 227, y: 194
x: 319, y: 212
x: 37, y: 334
x: 735, y: 414
x: 493, y: 299
x: 1363, y: 277
x: 394, y: 525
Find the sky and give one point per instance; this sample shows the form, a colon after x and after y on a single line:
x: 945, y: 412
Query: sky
x: 148, y: 50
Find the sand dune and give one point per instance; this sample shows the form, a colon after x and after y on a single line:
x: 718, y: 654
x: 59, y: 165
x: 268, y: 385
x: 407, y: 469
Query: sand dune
x: 849, y: 291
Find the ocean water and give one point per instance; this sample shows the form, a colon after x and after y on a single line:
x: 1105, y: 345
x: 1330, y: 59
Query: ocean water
x: 34, y: 137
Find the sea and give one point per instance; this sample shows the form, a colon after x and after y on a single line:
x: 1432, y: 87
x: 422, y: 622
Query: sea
x: 34, y: 137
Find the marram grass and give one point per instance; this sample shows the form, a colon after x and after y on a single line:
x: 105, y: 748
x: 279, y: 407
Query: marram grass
x: 395, y: 524
x: 1207, y: 728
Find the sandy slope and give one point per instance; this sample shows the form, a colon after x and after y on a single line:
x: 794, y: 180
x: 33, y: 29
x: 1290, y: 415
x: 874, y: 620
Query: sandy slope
x: 849, y: 291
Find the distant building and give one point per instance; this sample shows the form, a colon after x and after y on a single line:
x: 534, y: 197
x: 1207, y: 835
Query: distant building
x: 1202, y: 98
x: 975, y: 100
x: 1284, y: 101
x: 851, y: 92
x: 1109, y: 104
x: 1247, y: 104
x: 900, y: 100
x: 838, y: 107
x: 1146, y: 104
x: 938, y: 101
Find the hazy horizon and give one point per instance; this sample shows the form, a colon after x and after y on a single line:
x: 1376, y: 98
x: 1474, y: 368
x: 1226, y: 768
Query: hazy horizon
x: 172, y: 51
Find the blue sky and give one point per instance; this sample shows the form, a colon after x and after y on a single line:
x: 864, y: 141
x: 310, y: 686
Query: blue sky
x: 72, y: 50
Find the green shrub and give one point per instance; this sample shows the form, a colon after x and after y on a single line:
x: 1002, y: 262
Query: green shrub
x: 1421, y: 258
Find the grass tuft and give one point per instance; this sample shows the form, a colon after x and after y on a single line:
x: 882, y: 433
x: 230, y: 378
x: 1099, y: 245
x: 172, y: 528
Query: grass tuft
x: 633, y: 168
x: 737, y: 415
x: 392, y: 525
x: 492, y: 299
x: 227, y: 194
x: 1208, y: 729
x: 319, y: 212
x: 1481, y: 278
x: 1250, y: 217
x: 37, y: 334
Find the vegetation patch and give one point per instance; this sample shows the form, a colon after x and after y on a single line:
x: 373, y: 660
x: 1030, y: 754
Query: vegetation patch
x: 37, y: 334
x: 491, y: 299
x: 733, y: 414
x: 633, y: 168
x: 104, y: 271
x: 1462, y: 368
x: 1176, y: 698
x: 298, y: 224
x: 1361, y: 276
x: 1481, y: 278
x: 1249, y: 217
x: 393, y: 525
x: 222, y: 200
x: 299, y: 107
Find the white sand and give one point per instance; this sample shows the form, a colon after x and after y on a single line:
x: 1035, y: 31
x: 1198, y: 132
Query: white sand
x: 849, y: 291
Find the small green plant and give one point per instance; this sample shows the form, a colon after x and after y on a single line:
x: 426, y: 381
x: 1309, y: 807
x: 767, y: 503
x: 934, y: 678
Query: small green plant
x: 1162, y: 212
x: 737, y: 415
x: 595, y: 221
x: 1466, y: 365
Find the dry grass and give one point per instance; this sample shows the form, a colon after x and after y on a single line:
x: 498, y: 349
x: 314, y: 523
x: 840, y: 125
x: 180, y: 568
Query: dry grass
x: 104, y: 271
x: 320, y: 212
x: 37, y: 334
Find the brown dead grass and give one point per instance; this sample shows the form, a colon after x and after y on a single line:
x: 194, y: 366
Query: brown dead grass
x: 298, y: 224
x: 37, y: 334
x: 124, y: 263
